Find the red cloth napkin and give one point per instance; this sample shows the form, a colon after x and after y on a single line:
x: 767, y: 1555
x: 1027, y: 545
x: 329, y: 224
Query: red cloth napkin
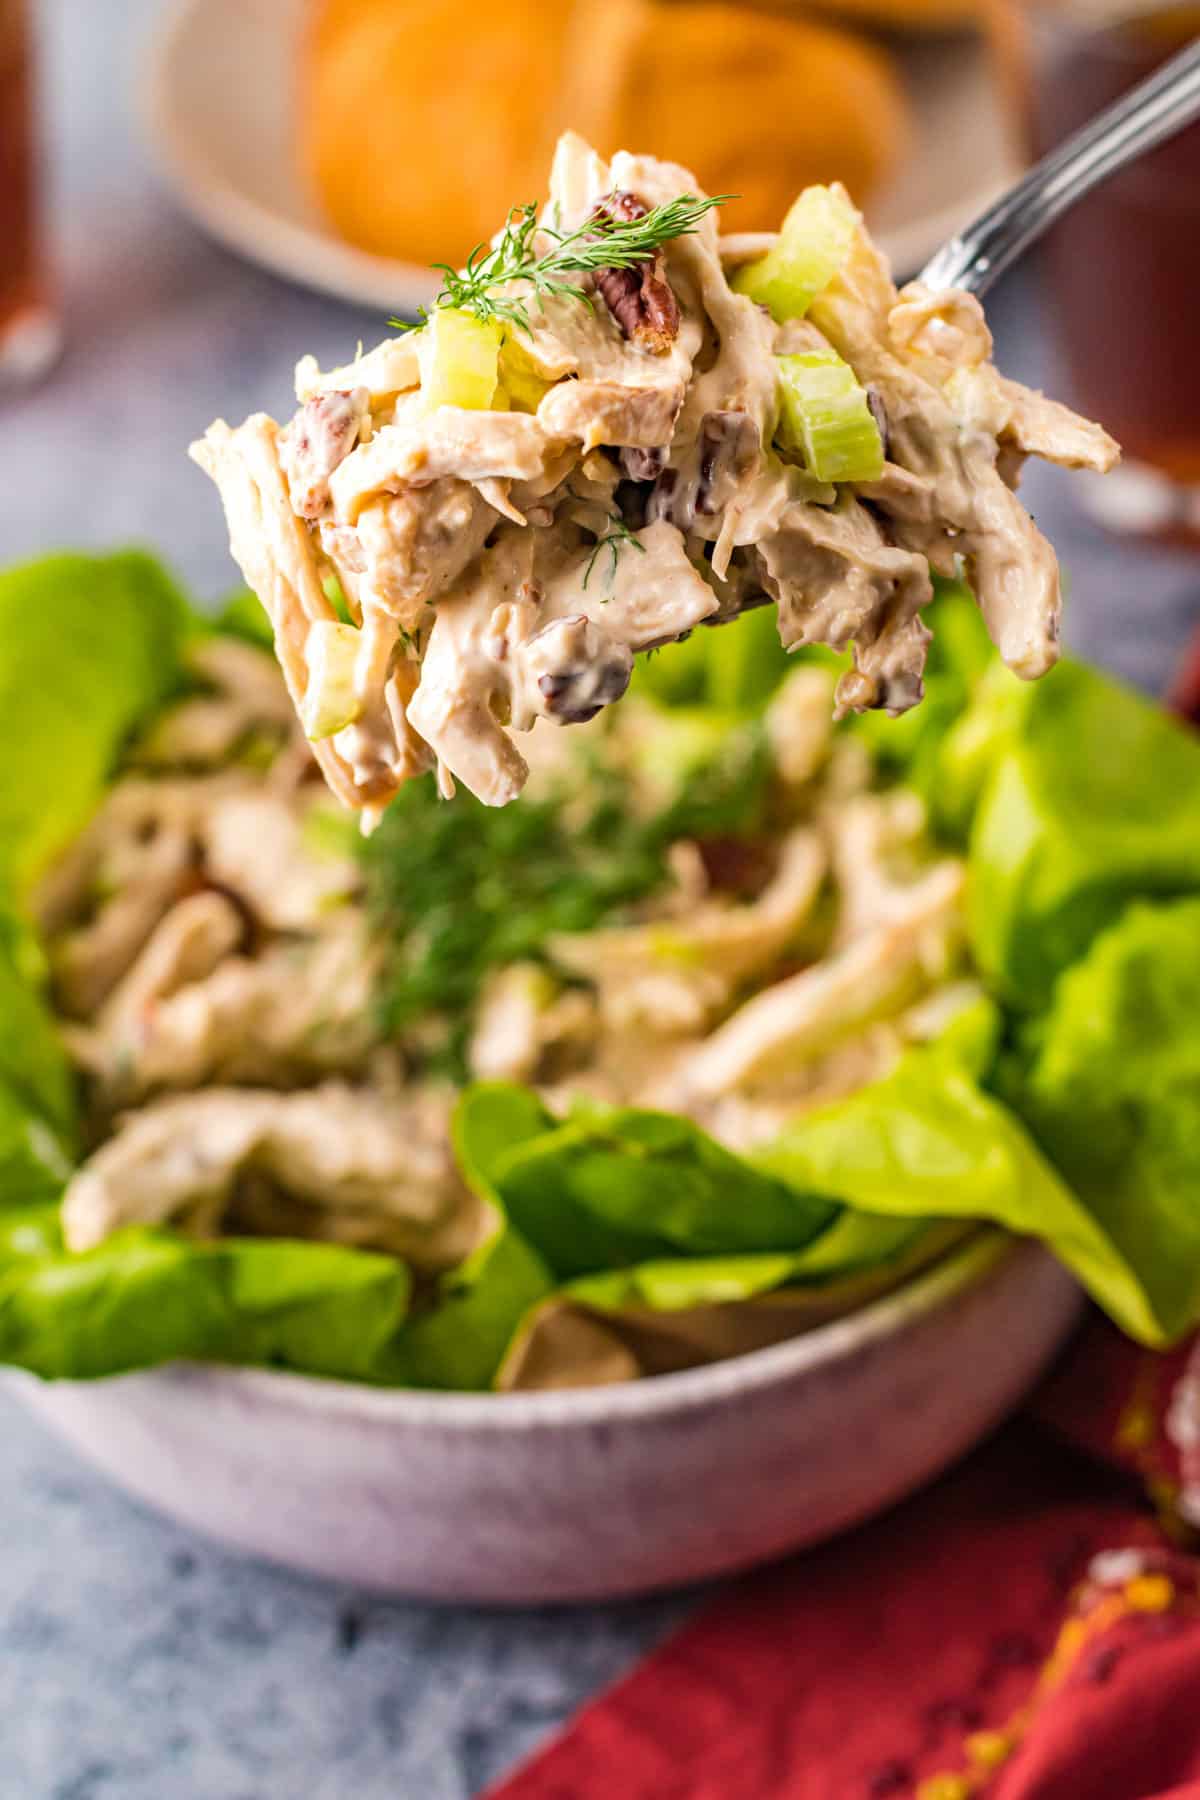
x: 1027, y: 1629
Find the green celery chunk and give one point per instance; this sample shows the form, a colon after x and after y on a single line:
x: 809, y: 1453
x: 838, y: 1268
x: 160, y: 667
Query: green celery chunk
x: 521, y: 388
x: 460, y: 359
x: 330, y: 702
x: 814, y: 241
x: 825, y: 418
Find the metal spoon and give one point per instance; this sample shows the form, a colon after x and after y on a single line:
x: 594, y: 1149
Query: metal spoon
x: 1149, y: 113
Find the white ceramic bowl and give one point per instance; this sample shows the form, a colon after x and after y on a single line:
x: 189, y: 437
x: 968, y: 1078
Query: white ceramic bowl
x: 586, y: 1495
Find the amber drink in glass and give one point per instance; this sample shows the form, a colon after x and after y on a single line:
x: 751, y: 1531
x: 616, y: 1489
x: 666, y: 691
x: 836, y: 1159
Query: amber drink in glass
x: 28, y: 326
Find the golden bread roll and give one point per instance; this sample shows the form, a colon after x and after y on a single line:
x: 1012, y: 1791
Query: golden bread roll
x: 898, y: 15
x: 423, y: 121
x: 755, y: 104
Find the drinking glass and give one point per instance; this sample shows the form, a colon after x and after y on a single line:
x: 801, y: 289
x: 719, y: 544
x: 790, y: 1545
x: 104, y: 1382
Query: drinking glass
x: 29, y: 332
x: 1123, y: 267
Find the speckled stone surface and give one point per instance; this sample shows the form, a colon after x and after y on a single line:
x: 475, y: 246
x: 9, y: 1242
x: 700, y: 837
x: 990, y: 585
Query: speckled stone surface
x: 135, y: 1662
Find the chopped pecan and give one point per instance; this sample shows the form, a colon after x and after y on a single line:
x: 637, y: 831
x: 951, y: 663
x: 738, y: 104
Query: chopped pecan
x: 643, y: 465
x: 640, y: 299
x: 729, y: 446
x: 577, y: 668
x: 318, y: 440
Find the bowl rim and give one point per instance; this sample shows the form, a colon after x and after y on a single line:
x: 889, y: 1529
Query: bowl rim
x: 963, y: 1268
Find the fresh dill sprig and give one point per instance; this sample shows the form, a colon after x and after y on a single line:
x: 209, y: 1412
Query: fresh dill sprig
x: 612, y: 542
x: 456, y: 889
x: 600, y: 242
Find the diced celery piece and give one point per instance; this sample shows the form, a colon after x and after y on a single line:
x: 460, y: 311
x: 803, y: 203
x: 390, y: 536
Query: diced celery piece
x: 825, y: 417
x: 330, y: 702
x: 459, y: 357
x: 814, y: 241
x: 522, y: 386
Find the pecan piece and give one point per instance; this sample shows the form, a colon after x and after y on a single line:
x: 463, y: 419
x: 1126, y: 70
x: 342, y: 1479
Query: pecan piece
x: 642, y: 465
x: 728, y: 446
x: 577, y: 669
x: 318, y: 440
x: 640, y: 299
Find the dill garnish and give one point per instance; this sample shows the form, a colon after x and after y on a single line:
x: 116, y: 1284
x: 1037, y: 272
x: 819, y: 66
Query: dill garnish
x: 612, y: 542
x: 457, y: 889
x: 600, y: 242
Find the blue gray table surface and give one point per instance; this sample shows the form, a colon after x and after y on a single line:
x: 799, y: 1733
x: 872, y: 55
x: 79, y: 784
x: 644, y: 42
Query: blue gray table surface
x: 137, y: 1663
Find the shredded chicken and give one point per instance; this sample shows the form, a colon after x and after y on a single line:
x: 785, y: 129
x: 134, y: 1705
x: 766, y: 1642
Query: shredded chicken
x: 213, y: 950
x: 472, y: 544
x: 680, y: 974
x: 375, y: 1170
x: 799, y: 1019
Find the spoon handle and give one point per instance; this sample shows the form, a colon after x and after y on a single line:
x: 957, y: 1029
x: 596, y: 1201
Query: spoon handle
x: 1153, y: 110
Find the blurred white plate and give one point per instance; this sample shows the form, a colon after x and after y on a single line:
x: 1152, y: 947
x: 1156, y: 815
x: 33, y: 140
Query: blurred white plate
x: 219, y: 100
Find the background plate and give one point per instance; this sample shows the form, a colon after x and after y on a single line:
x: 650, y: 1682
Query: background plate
x: 219, y: 103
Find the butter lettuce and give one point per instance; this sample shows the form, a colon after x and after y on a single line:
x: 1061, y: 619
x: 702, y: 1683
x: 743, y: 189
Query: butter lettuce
x: 89, y: 647
x: 960, y: 653
x: 1111, y: 1090
x: 34, y: 1073
x: 929, y: 1142
x: 146, y: 1297
x: 634, y: 1210
x: 33, y: 1160
x: 610, y: 1187
x: 1091, y: 800
x: 661, y: 1316
x: 854, y: 1244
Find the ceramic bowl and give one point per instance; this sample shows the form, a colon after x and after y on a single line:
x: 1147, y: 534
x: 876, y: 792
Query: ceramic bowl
x: 585, y: 1495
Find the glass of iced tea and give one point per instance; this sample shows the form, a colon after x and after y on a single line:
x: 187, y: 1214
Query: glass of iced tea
x: 29, y: 332
x: 1123, y: 267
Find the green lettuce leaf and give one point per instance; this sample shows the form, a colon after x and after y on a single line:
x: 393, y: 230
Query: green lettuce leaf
x: 459, y: 1343
x: 970, y: 750
x: 34, y: 1163
x: 1112, y: 1093
x: 1093, y: 800
x: 90, y: 647
x: 959, y: 654
x: 241, y: 615
x: 146, y: 1297
x: 662, y: 1316
x: 928, y: 1142
x: 617, y: 1186
x: 734, y: 668
x: 854, y: 1244
x: 34, y: 1072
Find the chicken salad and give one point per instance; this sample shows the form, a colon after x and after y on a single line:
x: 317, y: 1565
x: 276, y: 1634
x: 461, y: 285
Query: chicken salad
x: 740, y: 1018
x: 615, y: 427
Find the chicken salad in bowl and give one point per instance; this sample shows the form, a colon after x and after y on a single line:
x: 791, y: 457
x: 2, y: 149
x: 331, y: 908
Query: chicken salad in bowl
x: 740, y: 1019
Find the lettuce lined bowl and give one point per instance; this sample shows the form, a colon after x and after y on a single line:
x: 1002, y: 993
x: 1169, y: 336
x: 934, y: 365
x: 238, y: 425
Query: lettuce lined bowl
x: 1062, y: 1104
